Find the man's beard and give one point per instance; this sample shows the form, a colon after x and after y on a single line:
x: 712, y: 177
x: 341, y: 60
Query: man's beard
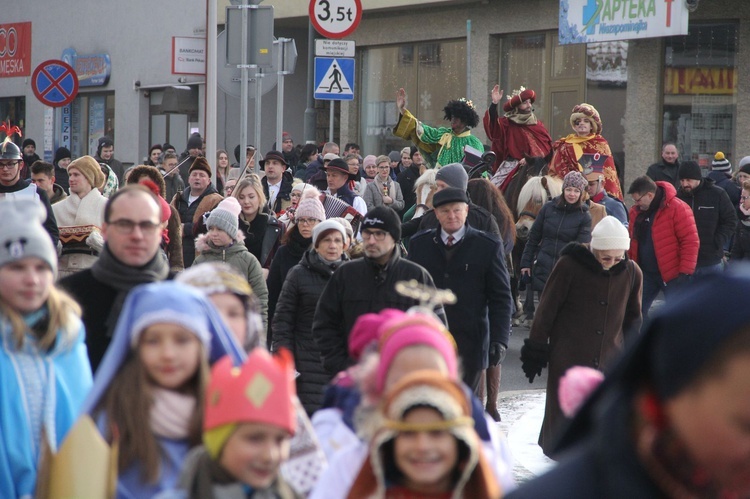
x: 527, y: 111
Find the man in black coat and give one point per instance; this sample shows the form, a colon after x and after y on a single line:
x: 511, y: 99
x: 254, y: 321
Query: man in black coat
x: 408, y: 177
x: 132, y: 231
x: 470, y: 263
x: 715, y: 215
x: 365, y: 285
x: 666, y: 169
x: 277, y: 184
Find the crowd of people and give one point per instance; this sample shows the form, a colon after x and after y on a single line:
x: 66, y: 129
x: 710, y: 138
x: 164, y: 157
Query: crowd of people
x: 335, y: 326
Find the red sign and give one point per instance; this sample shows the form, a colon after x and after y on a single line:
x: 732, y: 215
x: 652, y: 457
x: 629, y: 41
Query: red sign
x: 15, y: 50
x: 335, y: 18
x: 718, y: 80
x: 55, y: 83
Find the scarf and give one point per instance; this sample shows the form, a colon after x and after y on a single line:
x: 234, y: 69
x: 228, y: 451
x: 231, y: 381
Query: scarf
x: 575, y: 140
x: 170, y: 413
x: 640, y: 226
x: 298, y: 244
x: 123, y: 278
x: 447, y: 138
x: 331, y: 265
x: 526, y: 119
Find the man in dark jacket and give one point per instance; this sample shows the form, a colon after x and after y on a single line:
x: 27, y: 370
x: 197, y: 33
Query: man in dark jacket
x: 452, y: 175
x: 132, y: 231
x: 198, y: 198
x: 472, y: 265
x: 105, y: 153
x: 29, y: 157
x: 715, y: 216
x: 408, y: 177
x: 721, y: 174
x: 193, y: 151
x: 317, y: 165
x: 276, y: 186
x: 666, y: 169
x: 365, y: 285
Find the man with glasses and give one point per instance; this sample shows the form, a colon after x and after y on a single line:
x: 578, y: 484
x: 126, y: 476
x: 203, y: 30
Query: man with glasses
x: 365, y: 285
x: 663, y: 238
x: 132, y: 231
x: 13, y: 186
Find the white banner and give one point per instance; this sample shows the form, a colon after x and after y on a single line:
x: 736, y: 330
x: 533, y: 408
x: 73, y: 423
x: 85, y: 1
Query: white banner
x: 188, y: 55
x: 584, y: 21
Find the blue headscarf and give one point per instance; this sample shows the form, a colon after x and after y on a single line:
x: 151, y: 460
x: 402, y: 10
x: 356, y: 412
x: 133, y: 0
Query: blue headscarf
x: 170, y: 302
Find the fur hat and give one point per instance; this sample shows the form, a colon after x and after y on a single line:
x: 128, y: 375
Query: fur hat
x: 610, y: 234
x: 262, y: 390
x: 324, y: 228
x: 89, y: 168
x: 310, y: 208
x: 449, y: 195
x: 200, y: 163
x: 689, y: 170
x: 517, y: 97
x: 22, y: 234
x: 575, y: 179
x: 721, y: 163
x: 453, y: 174
x: 589, y: 112
x: 226, y: 217
x: 383, y: 218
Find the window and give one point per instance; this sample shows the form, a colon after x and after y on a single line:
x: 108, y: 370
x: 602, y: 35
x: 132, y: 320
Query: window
x: 700, y: 85
x: 92, y: 117
x: 431, y: 73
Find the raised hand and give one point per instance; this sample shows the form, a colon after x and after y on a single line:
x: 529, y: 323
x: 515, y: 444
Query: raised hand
x: 497, y: 94
x: 401, y: 100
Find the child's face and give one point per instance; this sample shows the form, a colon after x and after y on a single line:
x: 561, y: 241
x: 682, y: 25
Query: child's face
x: 426, y: 458
x: 170, y: 353
x: 218, y: 237
x: 232, y: 310
x: 254, y: 453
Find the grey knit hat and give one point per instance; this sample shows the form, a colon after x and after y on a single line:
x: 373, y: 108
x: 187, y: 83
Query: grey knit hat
x: 22, y: 234
x: 225, y: 217
x: 311, y: 208
x: 454, y: 175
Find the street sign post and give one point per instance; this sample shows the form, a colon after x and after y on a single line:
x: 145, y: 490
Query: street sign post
x: 334, y: 78
x: 54, y: 83
x: 335, y: 18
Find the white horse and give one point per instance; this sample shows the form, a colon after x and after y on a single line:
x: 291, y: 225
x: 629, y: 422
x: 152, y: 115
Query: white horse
x: 535, y: 192
x: 425, y: 188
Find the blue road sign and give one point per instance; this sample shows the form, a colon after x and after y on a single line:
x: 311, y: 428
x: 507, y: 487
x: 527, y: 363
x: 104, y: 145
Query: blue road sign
x: 54, y: 83
x: 334, y: 78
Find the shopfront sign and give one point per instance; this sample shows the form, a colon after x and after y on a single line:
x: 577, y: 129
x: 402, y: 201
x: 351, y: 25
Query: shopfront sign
x: 188, y: 55
x: 585, y: 21
x: 15, y: 50
x: 700, y: 80
x: 93, y: 70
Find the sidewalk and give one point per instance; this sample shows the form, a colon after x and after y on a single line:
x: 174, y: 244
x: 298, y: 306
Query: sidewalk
x: 522, y: 412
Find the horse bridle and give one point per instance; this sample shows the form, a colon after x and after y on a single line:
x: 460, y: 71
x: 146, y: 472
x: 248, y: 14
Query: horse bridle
x: 532, y: 215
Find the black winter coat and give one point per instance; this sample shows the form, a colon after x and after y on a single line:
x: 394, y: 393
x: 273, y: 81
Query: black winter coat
x: 187, y: 212
x: 724, y: 181
x: 665, y: 172
x: 478, y: 218
x: 476, y: 273
x: 356, y: 288
x: 406, y: 179
x: 555, y: 226
x: 292, y: 324
x: 262, y: 237
x: 715, y: 218
x: 741, y: 244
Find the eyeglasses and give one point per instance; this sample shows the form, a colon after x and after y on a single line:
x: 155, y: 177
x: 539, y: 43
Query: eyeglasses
x: 384, y: 167
x: 742, y: 198
x: 126, y: 226
x: 8, y: 166
x: 379, y: 235
x: 307, y: 221
x: 638, y: 200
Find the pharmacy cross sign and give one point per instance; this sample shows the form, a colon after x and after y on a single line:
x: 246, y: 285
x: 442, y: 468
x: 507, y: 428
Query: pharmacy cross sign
x: 335, y: 18
x: 54, y: 83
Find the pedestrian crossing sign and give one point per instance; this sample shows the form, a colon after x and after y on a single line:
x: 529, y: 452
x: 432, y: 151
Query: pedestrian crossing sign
x: 334, y: 78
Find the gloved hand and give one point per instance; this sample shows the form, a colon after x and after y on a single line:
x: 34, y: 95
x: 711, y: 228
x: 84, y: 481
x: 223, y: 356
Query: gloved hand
x: 534, y: 358
x: 497, y: 354
x: 524, y: 281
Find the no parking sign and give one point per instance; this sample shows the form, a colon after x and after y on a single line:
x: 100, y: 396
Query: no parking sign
x: 55, y: 83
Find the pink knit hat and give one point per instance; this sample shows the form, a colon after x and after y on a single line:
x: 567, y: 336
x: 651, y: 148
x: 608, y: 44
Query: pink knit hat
x: 311, y: 208
x: 366, y: 330
x: 414, y: 329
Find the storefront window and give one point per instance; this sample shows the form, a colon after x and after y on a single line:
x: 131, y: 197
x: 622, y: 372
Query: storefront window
x: 700, y: 82
x: 431, y: 73
x: 92, y: 117
x: 13, y: 111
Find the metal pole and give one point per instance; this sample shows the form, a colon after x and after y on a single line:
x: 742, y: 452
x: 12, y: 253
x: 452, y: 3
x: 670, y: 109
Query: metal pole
x: 468, y: 59
x: 330, y: 124
x: 258, y: 157
x: 243, y: 92
x: 209, y: 127
x: 280, y: 93
x: 310, y: 113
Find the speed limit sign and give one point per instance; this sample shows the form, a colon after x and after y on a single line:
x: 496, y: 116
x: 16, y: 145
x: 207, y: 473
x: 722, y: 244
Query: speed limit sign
x: 335, y: 18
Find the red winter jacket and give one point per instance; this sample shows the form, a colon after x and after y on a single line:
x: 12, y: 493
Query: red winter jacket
x: 674, y: 234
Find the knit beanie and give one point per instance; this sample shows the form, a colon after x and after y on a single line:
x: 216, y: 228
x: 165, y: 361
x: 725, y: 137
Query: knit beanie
x: 299, y: 187
x: 262, y: 390
x: 103, y: 142
x: 454, y: 175
x: 369, y: 160
x: 226, y: 217
x: 412, y: 151
x: 394, y: 156
x: 323, y: 228
x: 346, y: 224
x: 195, y: 142
x: 89, y: 168
x: 22, y: 234
x: 366, y: 330
x: 383, y: 218
x: 745, y: 165
x: 610, y: 234
x: 200, y: 163
x: 28, y: 142
x: 689, y: 170
x: 310, y: 208
x: 575, y: 179
x: 60, y: 154
x: 721, y: 163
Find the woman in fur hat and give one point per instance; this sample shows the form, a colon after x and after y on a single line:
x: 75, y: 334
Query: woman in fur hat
x: 578, y: 150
